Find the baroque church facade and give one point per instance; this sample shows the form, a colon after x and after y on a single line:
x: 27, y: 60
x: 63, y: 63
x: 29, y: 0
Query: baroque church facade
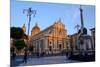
x: 51, y: 40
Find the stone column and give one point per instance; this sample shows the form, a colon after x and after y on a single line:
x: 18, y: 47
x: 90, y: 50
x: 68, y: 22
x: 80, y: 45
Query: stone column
x: 46, y: 44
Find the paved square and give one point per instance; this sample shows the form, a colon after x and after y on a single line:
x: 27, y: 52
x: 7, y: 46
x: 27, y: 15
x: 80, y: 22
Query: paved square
x: 43, y: 61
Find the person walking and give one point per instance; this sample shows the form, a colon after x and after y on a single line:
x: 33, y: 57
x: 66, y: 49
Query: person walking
x: 66, y: 53
x: 13, y: 54
x: 25, y: 56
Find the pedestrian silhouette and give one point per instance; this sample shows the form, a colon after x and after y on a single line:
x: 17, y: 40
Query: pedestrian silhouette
x: 13, y: 55
x: 25, y: 56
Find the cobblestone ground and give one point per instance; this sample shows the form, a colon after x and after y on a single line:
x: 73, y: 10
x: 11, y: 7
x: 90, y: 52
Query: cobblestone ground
x: 41, y: 61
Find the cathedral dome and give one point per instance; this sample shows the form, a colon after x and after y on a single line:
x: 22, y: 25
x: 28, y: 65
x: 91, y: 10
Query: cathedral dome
x: 35, y: 30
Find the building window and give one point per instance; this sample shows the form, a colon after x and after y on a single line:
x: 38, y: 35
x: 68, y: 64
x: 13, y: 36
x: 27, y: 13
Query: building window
x: 50, y: 42
x: 50, y: 48
x: 60, y: 46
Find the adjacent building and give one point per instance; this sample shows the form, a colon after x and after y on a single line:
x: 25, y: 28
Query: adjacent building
x: 83, y: 41
x: 93, y: 37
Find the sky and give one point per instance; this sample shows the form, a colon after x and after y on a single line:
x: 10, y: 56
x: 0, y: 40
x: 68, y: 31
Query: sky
x: 48, y: 13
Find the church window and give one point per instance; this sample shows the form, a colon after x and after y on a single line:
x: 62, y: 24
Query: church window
x: 50, y: 42
x: 50, y: 31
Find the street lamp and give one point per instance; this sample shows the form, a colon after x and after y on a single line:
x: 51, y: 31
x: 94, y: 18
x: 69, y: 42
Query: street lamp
x: 29, y: 12
x: 77, y: 27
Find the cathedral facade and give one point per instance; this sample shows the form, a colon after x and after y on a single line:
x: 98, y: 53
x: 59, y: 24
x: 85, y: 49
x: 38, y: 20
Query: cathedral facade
x: 51, y: 40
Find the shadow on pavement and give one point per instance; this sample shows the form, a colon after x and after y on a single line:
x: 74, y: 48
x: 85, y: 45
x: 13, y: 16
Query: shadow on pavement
x: 15, y: 63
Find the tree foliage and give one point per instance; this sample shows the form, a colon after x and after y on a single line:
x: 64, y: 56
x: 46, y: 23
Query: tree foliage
x: 16, y: 33
x: 20, y: 44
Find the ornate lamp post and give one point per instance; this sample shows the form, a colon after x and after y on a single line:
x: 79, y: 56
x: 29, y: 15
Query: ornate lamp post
x: 29, y: 12
x: 77, y: 27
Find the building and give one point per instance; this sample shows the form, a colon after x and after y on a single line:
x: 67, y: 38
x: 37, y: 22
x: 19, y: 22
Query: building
x: 85, y: 43
x: 81, y: 46
x: 93, y: 37
x: 81, y: 41
x: 51, y: 40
